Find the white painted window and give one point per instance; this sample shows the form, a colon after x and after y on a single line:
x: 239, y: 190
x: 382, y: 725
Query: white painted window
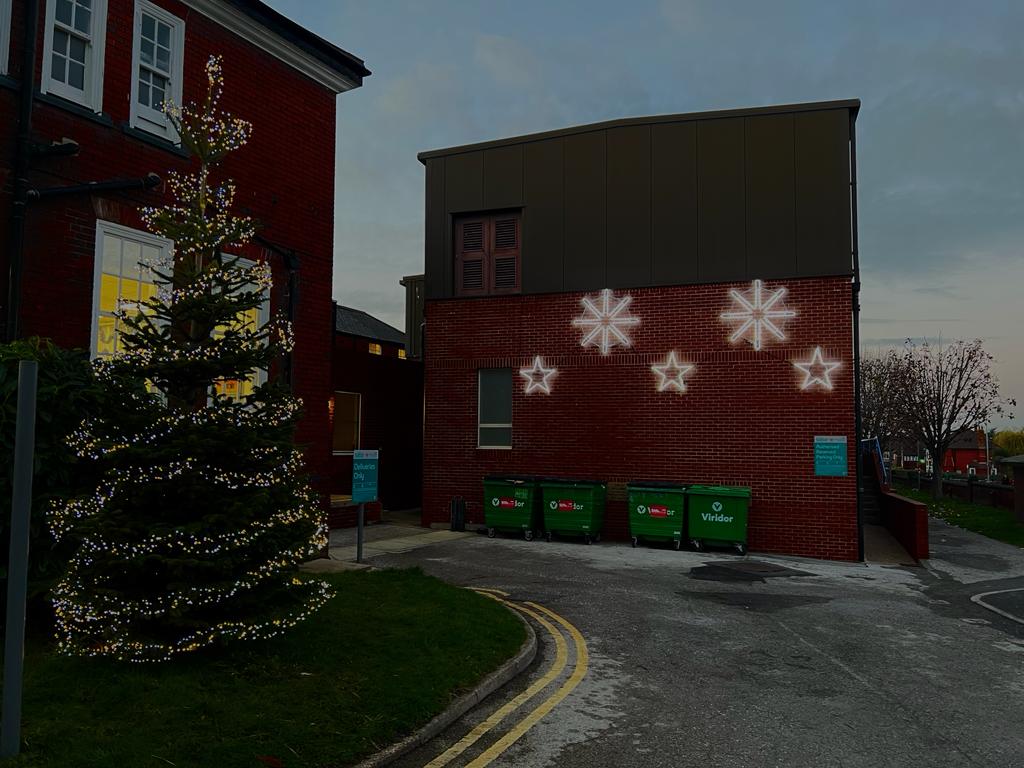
x: 251, y: 320
x: 5, y: 36
x: 73, y: 53
x: 121, y: 274
x: 157, y: 54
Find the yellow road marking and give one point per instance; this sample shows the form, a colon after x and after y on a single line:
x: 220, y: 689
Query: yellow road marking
x: 561, y: 658
x: 520, y: 728
x: 490, y: 589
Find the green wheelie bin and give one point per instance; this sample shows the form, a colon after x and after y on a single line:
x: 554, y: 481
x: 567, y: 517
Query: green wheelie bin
x: 573, y: 508
x: 656, y: 511
x: 510, y: 504
x: 717, y: 515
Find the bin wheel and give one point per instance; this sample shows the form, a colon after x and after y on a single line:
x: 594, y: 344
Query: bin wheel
x: 634, y: 541
x: 528, y: 535
x: 677, y: 545
x: 697, y: 545
x: 741, y: 549
x: 597, y: 537
x: 548, y: 536
x: 587, y: 539
x: 490, y: 533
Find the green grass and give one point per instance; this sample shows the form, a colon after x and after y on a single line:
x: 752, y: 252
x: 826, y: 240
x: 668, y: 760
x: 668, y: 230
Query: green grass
x: 994, y: 522
x: 380, y: 659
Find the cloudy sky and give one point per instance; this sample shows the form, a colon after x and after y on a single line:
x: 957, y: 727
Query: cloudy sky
x: 940, y: 133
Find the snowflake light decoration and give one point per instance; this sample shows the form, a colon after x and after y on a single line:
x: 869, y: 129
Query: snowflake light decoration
x: 538, y: 378
x: 605, y: 321
x: 671, y: 373
x: 757, y: 314
x: 823, y: 379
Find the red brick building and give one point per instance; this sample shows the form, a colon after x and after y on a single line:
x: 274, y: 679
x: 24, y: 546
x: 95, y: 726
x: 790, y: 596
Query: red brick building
x: 99, y: 69
x: 667, y: 298
x: 376, y: 404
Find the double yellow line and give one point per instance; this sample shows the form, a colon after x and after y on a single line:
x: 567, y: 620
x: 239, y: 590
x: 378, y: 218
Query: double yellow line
x: 534, y: 611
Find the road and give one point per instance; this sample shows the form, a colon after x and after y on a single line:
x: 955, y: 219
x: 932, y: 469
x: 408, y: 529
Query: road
x: 713, y: 660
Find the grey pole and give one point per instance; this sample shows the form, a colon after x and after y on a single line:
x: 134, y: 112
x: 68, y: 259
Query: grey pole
x: 17, y: 568
x: 359, y: 533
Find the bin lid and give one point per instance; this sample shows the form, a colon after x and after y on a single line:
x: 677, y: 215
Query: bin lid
x: 565, y: 482
x: 655, y: 485
x: 718, y: 490
x: 509, y: 479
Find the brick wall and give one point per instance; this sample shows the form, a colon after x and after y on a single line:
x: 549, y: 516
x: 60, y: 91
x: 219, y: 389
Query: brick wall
x: 284, y: 175
x: 743, y: 421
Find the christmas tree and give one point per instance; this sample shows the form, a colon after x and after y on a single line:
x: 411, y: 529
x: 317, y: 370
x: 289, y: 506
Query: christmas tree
x: 202, y: 514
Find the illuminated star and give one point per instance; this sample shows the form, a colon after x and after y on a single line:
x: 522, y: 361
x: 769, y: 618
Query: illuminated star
x: 538, y: 378
x: 670, y: 374
x: 758, y: 314
x: 605, y: 321
x: 817, y: 361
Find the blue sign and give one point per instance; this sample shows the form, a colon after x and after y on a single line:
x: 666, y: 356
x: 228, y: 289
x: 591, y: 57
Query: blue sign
x: 830, y: 455
x: 364, y: 476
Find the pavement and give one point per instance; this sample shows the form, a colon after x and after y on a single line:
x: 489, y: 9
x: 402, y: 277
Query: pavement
x: 708, y: 659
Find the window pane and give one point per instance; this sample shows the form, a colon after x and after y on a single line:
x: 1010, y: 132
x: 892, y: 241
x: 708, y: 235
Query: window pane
x: 83, y: 17
x: 63, y: 12
x: 76, y: 75
x: 143, y: 93
x: 146, y: 52
x: 163, y: 35
x: 85, y: 3
x: 346, y: 421
x: 495, y: 396
x: 105, y: 340
x: 76, y: 50
x: 60, y: 42
x: 132, y: 254
x: 111, y: 255
x: 163, y: 59
x: 108, y: 293
x: 57, y: 68
x: 148, y: 26
x: 495, y: 437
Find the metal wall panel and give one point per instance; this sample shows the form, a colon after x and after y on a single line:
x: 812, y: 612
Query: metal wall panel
x: 584, y: 261
x: 543, y: 226
x: 721, y: 225
x: 503, y: 177
x: 437, y: 265
x: 674, y: 203
x: 770, y: 198
x: 823, y: 193
x: 629, y: 206
x: 464, y: 183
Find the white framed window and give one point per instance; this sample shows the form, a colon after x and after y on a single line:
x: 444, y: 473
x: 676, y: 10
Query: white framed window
x: 121, y: 274
x: 237, y: 389
x: 158, y: 47
x: 494, y: 408
x: 346, y: 422
x: 5, y: 35
x: 74, y: 42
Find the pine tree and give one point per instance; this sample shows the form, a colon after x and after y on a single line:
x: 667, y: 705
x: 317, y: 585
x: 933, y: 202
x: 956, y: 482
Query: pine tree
x: 202, y: 513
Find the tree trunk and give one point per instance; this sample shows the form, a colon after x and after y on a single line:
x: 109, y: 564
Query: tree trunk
x: 937, y: 457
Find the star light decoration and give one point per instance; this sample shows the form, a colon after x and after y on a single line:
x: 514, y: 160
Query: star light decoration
x: 605, y: 321
x: 538, y: 378
x: 671, y: 374
x: 757, y: 314
x: 823, y: 379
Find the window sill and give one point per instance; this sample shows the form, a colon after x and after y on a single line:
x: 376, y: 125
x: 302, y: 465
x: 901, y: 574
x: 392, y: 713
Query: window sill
x: 76, y: 109
x: 494, y: 447
x: 153, y: 140
x: 342, y: 453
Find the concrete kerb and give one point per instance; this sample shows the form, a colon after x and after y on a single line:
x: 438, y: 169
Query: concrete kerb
x: 503, y: 675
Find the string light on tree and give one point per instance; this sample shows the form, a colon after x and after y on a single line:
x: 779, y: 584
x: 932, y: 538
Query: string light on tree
x: 538, y: 378
x: 605, y: 321
x: 758, y: 313
x: 817, y: 371
x: 671, y: 374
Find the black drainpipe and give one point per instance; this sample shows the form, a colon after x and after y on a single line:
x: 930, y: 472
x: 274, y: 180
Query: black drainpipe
x: 21, y: 161
x: 856, y: 332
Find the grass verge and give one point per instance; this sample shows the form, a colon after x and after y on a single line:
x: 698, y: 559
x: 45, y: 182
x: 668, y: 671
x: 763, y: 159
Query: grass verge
x: 994, y: 522
x: 389, y: 652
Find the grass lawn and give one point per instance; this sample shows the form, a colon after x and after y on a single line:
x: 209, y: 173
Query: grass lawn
x: 994, y: 522
x: 381, y: 658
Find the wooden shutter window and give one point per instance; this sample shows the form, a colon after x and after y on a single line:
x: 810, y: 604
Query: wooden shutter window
x: 471, y: 256
x: 487, y: 254
x: 505, y: 254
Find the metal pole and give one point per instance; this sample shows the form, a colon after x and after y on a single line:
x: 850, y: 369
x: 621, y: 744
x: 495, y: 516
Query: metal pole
x: 17, y: 567
x: 359, y: 533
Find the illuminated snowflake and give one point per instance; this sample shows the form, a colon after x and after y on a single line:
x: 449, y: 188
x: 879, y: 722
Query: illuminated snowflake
x: 538, y: 378
x: 823, y: 379
x: 605, y: 321
x: 757, y: 314
x: 671, y: 373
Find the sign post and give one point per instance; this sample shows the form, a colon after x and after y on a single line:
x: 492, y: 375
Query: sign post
x: 364, y: 489
x: 17, y: 574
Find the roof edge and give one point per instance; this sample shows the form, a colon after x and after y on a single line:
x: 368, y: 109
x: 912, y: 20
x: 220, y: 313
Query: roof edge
x: 811, y: 106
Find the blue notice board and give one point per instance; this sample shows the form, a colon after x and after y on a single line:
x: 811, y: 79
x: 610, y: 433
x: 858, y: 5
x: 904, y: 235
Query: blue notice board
x: 364, y: 476
x: 830, y: 455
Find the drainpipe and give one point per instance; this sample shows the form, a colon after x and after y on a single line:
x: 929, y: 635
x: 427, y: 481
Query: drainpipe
x: 856, y: 332
x: 21, y: 161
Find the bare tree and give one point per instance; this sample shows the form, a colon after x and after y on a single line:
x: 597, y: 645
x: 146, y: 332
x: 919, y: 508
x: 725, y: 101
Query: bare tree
x: 948, y: 389
x: 883, y: 382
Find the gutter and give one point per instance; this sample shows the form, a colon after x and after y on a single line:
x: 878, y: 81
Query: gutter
x: 855, y: 286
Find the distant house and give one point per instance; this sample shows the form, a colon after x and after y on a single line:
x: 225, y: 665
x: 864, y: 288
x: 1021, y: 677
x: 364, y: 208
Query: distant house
x: 376, y: 404
x: 966, y: 455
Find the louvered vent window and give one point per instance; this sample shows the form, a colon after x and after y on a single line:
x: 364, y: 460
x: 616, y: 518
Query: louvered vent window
x: 487, y: 254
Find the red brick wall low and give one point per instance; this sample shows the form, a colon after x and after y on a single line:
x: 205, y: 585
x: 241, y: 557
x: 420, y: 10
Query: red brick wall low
x: 743, y: 421
x: 907, y: 521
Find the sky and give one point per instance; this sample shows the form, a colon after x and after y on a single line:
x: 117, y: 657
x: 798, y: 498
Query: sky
x: 940, y: 136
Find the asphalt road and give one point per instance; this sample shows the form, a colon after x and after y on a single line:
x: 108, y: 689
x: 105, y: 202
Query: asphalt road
x: 712, y: 660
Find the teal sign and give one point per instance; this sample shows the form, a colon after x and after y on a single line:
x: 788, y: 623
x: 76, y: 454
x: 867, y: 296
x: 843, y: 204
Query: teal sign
x: 364, y: 476
x: 830, y: 455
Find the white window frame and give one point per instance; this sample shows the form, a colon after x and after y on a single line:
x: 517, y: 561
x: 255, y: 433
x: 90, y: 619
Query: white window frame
x: 165, y: 246
x: 262, y: 316
x: 146, y: 118
x: 5, y: 35
x: 481, y: 425
x: 359, y: 422
x: 92, y: 98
